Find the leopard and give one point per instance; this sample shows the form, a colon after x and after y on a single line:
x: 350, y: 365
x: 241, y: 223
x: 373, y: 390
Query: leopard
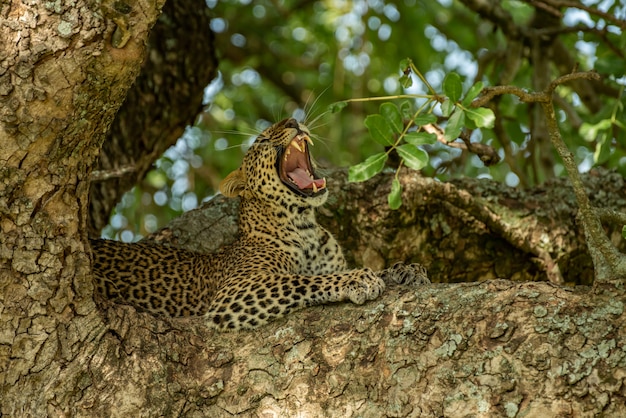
x: 281, y: 261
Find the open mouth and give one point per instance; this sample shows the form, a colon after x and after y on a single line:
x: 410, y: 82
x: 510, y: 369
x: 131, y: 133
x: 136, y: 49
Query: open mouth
x: 295, y: 169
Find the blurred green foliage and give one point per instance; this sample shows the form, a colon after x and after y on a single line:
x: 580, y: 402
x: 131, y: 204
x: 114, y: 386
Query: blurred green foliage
x: 304, y: 58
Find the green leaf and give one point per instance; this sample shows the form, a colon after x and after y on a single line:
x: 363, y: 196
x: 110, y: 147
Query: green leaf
x: 406, y: 109
x: 391, y: 113
x: 454, y: 125
x: 368, y: 168
x: 482, y: 117
x: 405, y: 80
x: 379, y: 129
x: 470, y: 124
x: 447, y: 107
x: 405, y: 64
x: 421, y: 120
x: 420, y: 138
x: 452, y: 86
x: 603, y: 149
x: 590, y: 132
x: 412, y: 156
x: 395, y: 195
x: 337, y: 106
x: 472, y: 93
x: 624, y: 232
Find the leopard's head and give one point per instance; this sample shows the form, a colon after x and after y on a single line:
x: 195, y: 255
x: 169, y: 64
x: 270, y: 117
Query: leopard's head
x: 278, y: 167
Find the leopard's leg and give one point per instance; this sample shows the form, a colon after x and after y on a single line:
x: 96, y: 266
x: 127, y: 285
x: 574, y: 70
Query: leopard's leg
x: 254, y: 300
x: 407, y: 274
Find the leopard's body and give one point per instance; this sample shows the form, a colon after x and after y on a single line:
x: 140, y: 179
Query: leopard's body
x: 282, y: 261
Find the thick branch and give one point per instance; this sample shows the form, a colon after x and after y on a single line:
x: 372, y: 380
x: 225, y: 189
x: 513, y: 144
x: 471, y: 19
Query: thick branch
x: 472, y: 230
x: 495, y: 348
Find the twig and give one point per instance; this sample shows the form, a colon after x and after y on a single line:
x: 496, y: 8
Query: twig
x: 579, y: 5
x: 611, y: 216
x: 103, y: 175
x: 487, y: 154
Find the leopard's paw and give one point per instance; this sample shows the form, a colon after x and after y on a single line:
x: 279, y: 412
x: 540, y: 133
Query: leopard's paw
x: 407, y: 274
x: 363, y: 285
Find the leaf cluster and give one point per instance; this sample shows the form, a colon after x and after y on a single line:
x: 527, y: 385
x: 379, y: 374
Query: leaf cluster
x: 400, y: 128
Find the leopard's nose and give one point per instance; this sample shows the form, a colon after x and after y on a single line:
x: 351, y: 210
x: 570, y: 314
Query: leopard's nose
x: 292, y: 123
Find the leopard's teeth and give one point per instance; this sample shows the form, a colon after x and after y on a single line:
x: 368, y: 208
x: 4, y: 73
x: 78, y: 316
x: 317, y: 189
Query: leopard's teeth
x: 314, y: 188
x: 308, y: 139
x: 294, y: 143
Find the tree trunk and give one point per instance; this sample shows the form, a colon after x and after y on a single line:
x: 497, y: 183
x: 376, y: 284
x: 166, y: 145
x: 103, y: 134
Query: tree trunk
x: 494, y: 348
x: 64, y: 72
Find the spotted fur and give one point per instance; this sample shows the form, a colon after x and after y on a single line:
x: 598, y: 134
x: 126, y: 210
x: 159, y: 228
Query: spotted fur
x: 283, y: 260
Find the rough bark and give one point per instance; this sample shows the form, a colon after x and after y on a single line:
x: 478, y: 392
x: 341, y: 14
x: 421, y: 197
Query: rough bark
x: 495, y: 348
x: 61, y: 83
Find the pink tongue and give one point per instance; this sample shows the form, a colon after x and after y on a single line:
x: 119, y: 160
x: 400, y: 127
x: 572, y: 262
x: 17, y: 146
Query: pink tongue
x: 303, y: 180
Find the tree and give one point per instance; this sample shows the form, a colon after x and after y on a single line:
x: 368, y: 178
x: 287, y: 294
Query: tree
x: 496, y: 347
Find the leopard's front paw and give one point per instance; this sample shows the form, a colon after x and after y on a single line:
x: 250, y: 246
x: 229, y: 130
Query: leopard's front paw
x: 364, y: 285
x: 408, y: 274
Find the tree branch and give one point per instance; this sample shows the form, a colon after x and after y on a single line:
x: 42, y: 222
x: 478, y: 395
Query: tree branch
x: 610, y: 264
x: 488, y: 155
x: 555, y: 5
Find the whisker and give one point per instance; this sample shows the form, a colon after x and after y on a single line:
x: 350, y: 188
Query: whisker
x: 277, y: 113
x: 231, y: 147
x: 312, y: 124
x: 305, y: 106
x: 306, y: 111
x: 323, y: 141
x: 252, y: 132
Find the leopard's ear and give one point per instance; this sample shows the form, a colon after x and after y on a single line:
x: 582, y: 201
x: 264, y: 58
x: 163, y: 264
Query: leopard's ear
x: 234, y: 184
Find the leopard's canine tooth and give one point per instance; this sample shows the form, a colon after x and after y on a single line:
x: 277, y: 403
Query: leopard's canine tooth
x: 294, y: 143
